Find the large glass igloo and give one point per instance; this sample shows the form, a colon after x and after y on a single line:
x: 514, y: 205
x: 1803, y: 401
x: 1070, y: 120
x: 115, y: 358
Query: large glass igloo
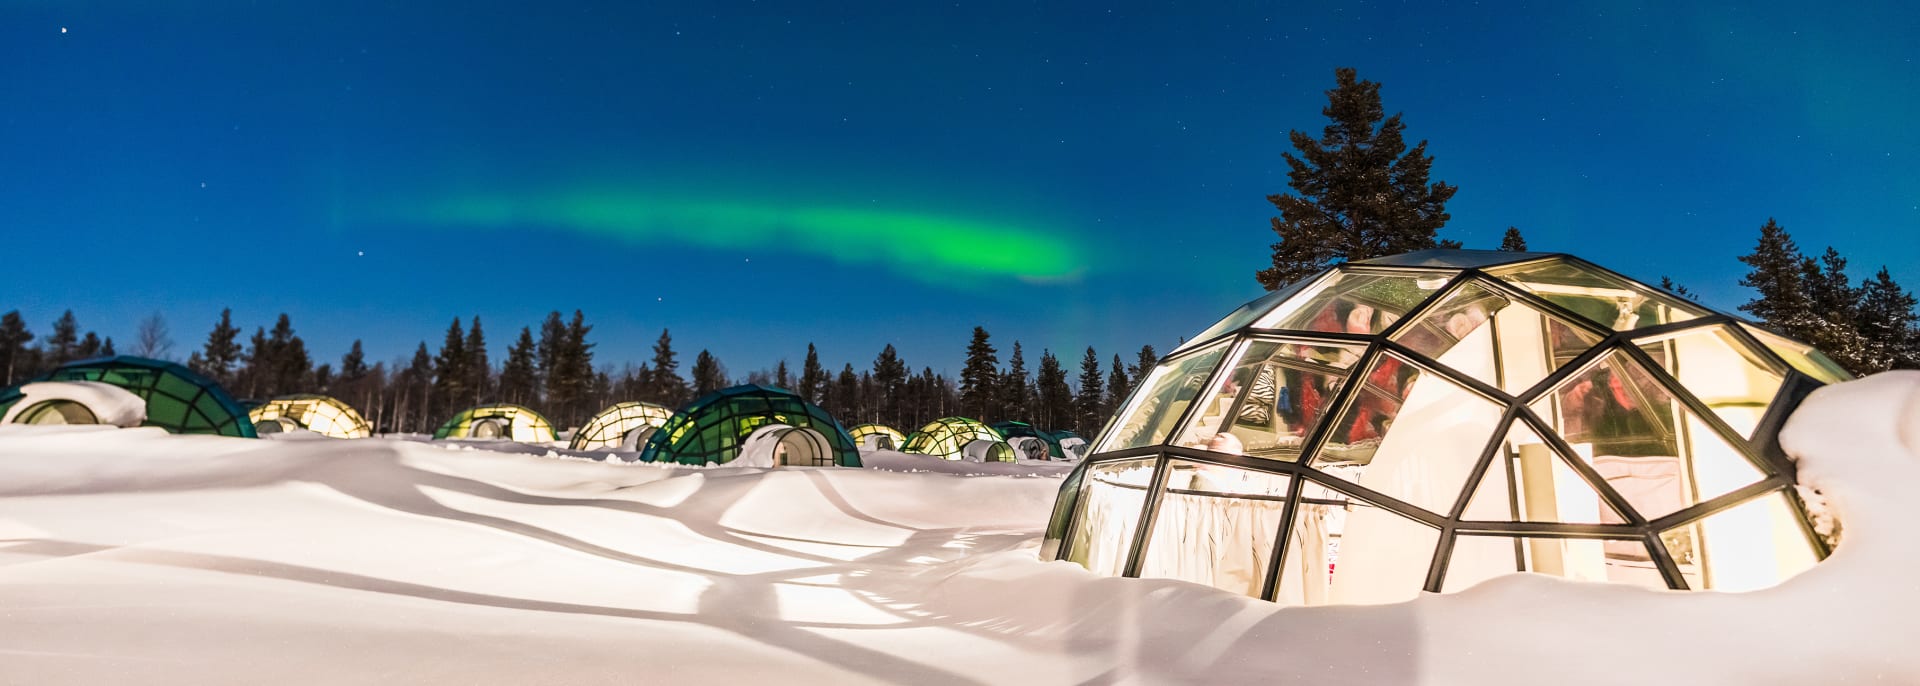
x: 1427, y: 421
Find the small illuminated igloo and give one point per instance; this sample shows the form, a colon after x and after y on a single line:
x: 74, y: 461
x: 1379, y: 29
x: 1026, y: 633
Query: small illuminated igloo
x: 959, y: 438
x: 624, y: 426
x: 871, y: 437
x: 1427, y: 421
x: 497, y: 422
x: 324, y: 415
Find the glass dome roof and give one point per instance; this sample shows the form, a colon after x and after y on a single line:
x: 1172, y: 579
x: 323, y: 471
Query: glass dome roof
x: 178, y: 399
x: 1426, y: 421
x: 948, y: 438
x: 614, y: 426
x: 502, y: 421
x: 713, y: 429
x: 320, y: 414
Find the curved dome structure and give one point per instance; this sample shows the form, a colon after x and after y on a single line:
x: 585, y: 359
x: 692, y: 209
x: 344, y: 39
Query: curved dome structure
x: 959, y: 438
x: 177, y: 399
x: 728, y: 424
x: 320, y: 414
x: 1431, y: 420
x: 871, y: 437
x: 1031, y: 443
x: 54, y: 403
x: 624, y: 426
x: 498, y: 422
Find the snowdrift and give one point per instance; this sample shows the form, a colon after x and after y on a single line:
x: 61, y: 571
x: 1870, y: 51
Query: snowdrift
x: 135, y: 556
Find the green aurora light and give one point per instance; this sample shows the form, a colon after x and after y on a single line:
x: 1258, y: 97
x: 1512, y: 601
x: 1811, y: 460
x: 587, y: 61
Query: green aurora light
x: 930, y: 247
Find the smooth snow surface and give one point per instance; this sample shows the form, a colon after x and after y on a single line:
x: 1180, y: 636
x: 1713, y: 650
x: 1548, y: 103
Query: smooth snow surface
x: 140, y: 557
x: 112, y: 405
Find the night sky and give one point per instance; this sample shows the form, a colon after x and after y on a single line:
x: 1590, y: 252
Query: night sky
x: 759, y: 175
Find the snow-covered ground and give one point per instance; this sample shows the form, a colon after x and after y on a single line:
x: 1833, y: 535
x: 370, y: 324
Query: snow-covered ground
x: 132, y: 556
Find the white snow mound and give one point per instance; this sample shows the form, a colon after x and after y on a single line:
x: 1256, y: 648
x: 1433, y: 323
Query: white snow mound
x: 112, y: 405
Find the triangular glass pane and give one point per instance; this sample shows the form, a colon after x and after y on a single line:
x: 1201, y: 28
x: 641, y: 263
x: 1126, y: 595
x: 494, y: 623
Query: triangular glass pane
x: 1529, y: 482
x: 1721, y: 370
x: 1411, y: 434
x: 1157, y: 404
x: 1346, y: 551
x: 1475, y: 330
x: 1641, y: 440
x: 1751, y: 546
x: 1273, y: 395
x: 1610, y: 301
x: 1355, y: 302
x: 1803, y: 357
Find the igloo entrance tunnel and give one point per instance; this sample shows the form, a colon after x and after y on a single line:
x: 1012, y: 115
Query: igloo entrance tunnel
x: 1430, y: 420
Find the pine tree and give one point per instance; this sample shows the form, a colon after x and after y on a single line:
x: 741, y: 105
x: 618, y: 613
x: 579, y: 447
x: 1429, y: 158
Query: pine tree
x: 1143, y: 365
x: 1361, y: 192
x: 1090, y: 406
x: 1016, y: 389
x: 1118, y: 386
x: 708, y: 374
x: 1513, y: 241
x: 63, y: 345
x: 479, y: 369
x: 1776, y: 272
x: 1667, y: 284
x: 257, y: 366
x: 323, y: 375
x: 668, y: 387
x: 106, y: 347
x: 417, y: 382
x: 518, y: 384
x: 1887, y: 323
x: 89, y: 346
x: 889, y: 379
x: 222, y: 351
x: 552, y: 347
x: 570, y: 393
x: 813, y: 378
x: 846, y: 394
x: 782, y: 378
x: 14, y: 355
x: 450, y: 375
x: 289, y: 364
x: 352, y: 383
x: 977, y: 377
x: 1052, y: 395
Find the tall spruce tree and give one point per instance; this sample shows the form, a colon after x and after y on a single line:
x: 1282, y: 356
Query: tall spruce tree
x: 549, y: 353
x: 479, y: 369
x: 1775, y: 271
x: 977, y: 377
x: 813, y: 378
x: 1118, y: 386
x: 1359, y: 191
x: 708, y: 374
x: 1836, y: 305
x: 518, y: 377
x: 1888, y: 323
x: 1090, y: 404
x: 222, y: 352
x: 15, y: 363
x: 668, y: 388
x: 291, y: 367
x: 450, y: 375
x: 782, y: 377
x: 889, y: 380
x: 1143, y: 364
x: 417, y: 392
x: 1016, y: 388
x: 89, y: 346
x: 1513, y: 241
x: 1052, y: 396
x: 846, y: 395
x: 63, y: 345
x: 573, y: 393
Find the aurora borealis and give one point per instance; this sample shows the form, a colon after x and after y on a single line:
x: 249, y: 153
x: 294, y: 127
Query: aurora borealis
x: 760, y: 175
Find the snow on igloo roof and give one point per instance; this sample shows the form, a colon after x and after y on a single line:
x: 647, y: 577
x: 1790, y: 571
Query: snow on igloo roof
x: 178, y: 399
x: 1431, y: 419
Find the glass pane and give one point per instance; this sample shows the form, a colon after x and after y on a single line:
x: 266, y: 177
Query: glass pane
x: 1110, y: 503
x: 1411, y: 434
x: 1507, y: 344
x: 1274, y: 395
x: 1158, y: 403
x: 1352, y: 552
x: 1721, y: 370
x: 1248, y: 313
x: 1754, y: 545
x: 1607, y: 300
x: 1646, y: 445
x: 1529, y: 482
x: 1477, y: 558
x: 1216, y: 526
x: 1354, y: 302
x: 1803, y: 357
x: 1064, y: 503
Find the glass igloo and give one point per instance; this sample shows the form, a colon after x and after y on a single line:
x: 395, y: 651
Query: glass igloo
x: 319, y: 414
x: 1427, y: 421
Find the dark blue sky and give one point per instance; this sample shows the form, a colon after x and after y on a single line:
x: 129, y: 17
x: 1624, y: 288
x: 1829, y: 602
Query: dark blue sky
x: 378, y: 169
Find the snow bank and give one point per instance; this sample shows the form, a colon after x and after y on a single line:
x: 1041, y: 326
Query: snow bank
x: 112, y: 405
x: 140, y: 556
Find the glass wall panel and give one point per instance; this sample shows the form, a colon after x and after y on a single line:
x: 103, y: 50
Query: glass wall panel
x: 1354, y: 302
x: 1529, y: 482
x: 1803, y: 357
x: 1754, y: 545
x: 1110, y: 502
x: 1411, y: 434
x: 1477, y: 558
x: 1159, y: 402
x: 1640, y: 439
x: 1607, y: 300
x: 1274, y: 394
x: 1479, y: 332
x: 1721, y: 370
x: 1341, y: 550
x: 1216, y: 526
